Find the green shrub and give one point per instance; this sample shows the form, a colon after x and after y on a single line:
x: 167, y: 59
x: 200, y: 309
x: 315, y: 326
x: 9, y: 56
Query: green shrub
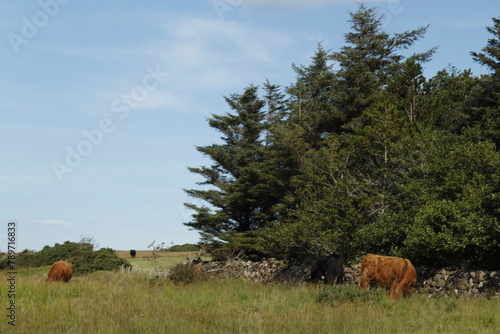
x: 49, y: 255
x: 81, y: 255
x: 88, y: 261
x: 183, y: 274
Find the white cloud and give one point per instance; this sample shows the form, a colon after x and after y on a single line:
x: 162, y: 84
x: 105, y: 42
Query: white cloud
x: 214, y: 54
x: 202, y: 40
x: 199, y: 54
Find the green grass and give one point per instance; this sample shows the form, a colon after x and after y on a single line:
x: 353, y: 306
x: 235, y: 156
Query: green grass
x: 149, y: 264
x: 112, y: 302
x: 144, y: 261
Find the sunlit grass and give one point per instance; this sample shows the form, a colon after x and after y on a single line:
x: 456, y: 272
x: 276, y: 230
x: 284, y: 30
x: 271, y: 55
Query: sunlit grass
x: 112, y: 302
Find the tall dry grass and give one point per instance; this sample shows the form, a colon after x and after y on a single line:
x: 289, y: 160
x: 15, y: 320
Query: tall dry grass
x: 112, y: 302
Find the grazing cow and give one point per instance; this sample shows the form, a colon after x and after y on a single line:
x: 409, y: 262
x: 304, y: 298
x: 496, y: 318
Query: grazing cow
x: 60, y: 271
x: 329, y: 269
x: 132, y: 253
x: 394, y: 272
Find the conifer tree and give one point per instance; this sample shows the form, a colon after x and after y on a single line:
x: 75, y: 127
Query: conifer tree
x: 312, y: 111
x: 247, y: 178
x: 484, y: 109
x: 233, y: 203
x: 367, y: 60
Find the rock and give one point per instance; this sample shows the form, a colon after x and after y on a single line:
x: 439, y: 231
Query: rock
x: 462, y: 284
x: 429, y: 281
x: 440, y: 283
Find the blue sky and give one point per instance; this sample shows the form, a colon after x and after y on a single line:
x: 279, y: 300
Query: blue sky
x: 104, y: 102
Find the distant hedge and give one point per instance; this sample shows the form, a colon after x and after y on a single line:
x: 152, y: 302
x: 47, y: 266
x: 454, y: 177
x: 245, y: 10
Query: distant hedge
x: 184, y: 248
x: 81, y: 255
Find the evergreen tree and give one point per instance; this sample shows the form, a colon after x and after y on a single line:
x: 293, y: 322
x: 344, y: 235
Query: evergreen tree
x: 491, y: 52
x: 348, y: 171
x: 484, y: 107
x: 364, y: 156
x: 246, y: 179
x: 312, y: 111
x: 367, y: 61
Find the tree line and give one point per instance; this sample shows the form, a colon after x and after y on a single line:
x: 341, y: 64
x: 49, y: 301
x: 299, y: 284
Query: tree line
x: 362, y: 153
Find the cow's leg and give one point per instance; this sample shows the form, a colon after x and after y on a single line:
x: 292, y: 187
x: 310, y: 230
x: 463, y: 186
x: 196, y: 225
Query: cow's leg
x: 395, y: 291
x: 329, y: 277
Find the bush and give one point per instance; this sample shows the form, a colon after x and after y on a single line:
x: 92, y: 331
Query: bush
x: 27, y: 258
x: 88, y: 261
x: 49, y: 255
x: 183, y: 274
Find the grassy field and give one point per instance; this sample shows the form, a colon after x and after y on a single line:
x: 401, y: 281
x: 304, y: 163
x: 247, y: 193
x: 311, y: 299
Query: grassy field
x: 143, y: 261
x: 113, y: 302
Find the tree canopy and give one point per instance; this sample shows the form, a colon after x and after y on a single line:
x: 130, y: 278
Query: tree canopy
x: 362, y: 153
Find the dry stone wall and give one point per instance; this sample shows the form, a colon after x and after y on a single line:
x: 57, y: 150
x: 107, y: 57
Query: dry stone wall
x: 432, y: 282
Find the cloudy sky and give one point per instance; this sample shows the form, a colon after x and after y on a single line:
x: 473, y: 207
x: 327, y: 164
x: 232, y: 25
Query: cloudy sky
x: 103, y: 102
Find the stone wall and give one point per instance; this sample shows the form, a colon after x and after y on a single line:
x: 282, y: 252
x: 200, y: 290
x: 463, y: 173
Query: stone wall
x: 432, y: 282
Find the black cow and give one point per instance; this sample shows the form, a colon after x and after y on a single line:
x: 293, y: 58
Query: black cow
x: 329, y: 269
x: 132, y: 253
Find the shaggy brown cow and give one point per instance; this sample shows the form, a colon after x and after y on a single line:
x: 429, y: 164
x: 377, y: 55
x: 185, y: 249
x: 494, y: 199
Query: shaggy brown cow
x: 60, y: 271
x: 394, y: 272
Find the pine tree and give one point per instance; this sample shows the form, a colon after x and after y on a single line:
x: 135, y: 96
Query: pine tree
x: 232, y: 202
x: 491, y: 52
x: 248, y: 177
x: 484, y: 108
x: 367, y: 61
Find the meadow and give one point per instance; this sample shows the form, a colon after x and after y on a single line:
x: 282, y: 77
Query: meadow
x: 115, y: 302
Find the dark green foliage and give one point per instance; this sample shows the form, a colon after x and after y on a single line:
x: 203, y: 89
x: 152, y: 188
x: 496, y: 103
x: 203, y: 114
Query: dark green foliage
x: 246, y: 179
x: 362, y: 153
x: 490, y: 57
x: 368, y: 61
x: 88, y: 261
x: 27, y: 258
x: 252, y: 245
x: 49, y: 255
